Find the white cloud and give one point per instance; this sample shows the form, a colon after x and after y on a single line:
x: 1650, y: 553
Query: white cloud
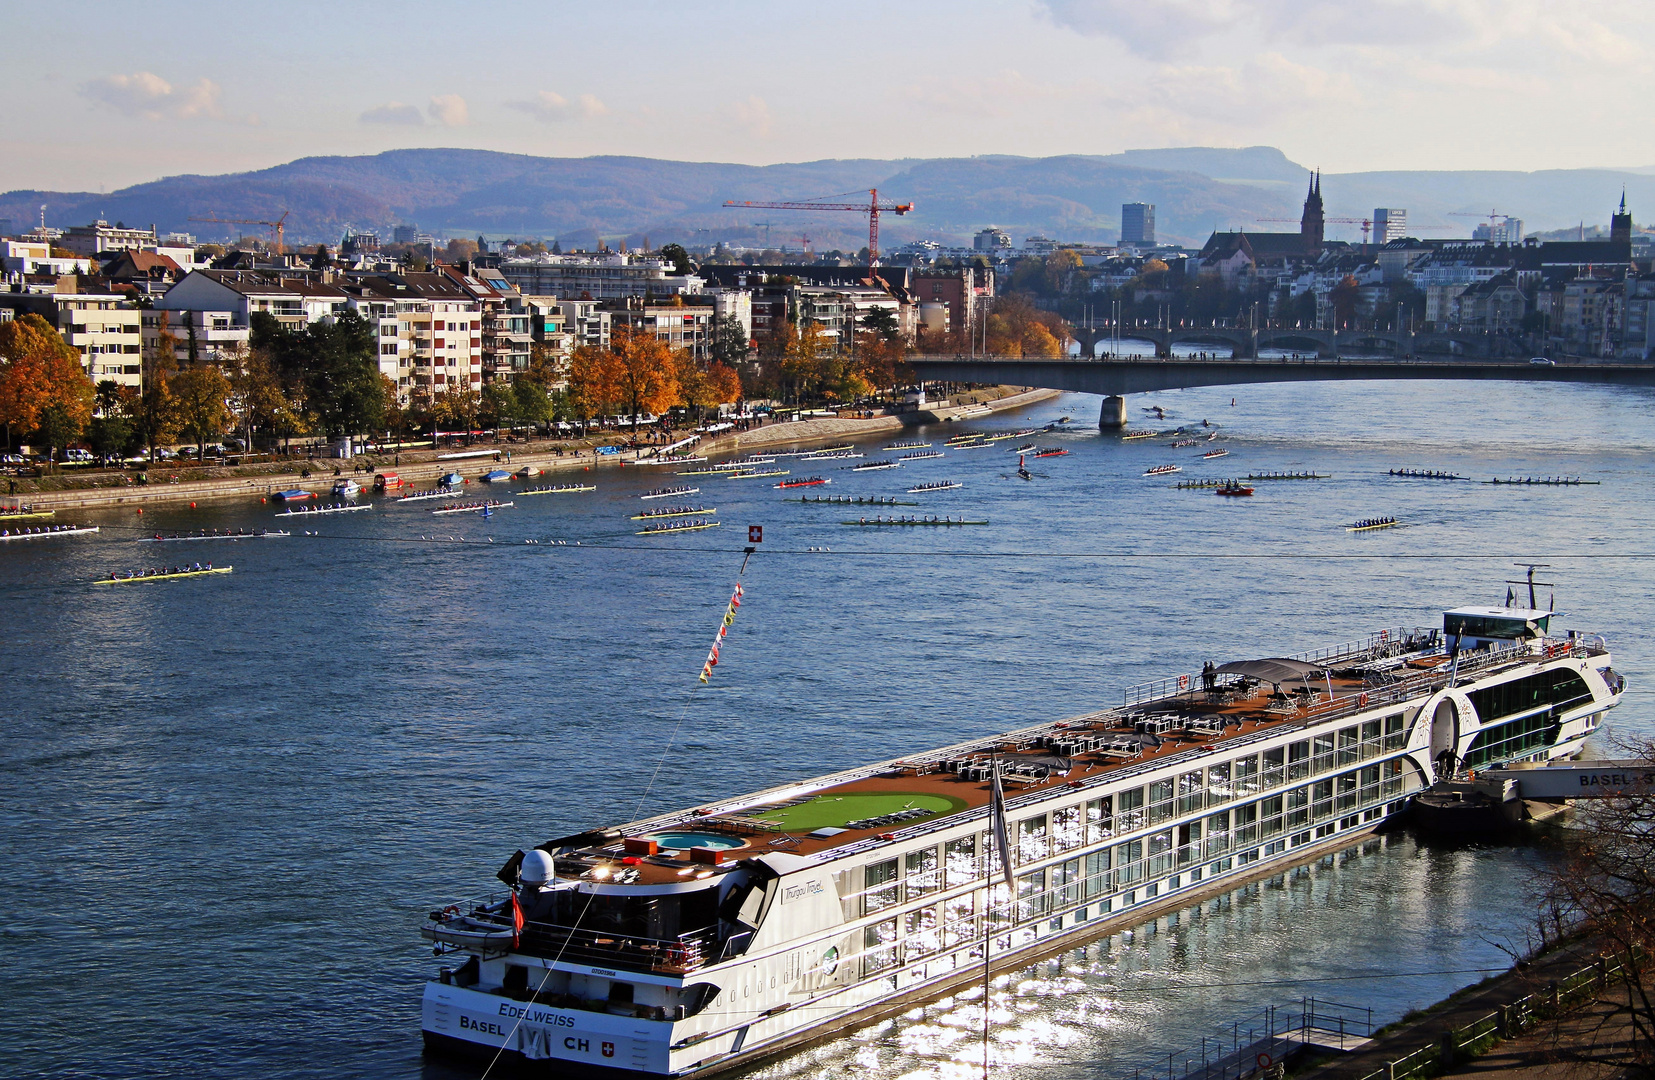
x: 755, y: 117
x: 449, y: 110
x: 146, y: 94
x: 393, y: 112
x: 550, y: 107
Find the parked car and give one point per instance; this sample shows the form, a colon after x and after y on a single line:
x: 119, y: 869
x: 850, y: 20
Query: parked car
x: 234, y: 446
x: 75, y: 453
x: 163, y: 454
x: 1542, y: 360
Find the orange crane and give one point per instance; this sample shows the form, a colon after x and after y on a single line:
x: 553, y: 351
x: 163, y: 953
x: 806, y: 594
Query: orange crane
x: 873, y: 208
x: 274, y: 226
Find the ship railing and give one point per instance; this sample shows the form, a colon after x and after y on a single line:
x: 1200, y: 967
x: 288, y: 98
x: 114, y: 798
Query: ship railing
x: 1258, y: 1042
x: 603, y: 947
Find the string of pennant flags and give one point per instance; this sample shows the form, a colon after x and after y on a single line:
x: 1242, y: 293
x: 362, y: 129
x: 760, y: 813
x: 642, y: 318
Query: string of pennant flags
x: 723, y: 629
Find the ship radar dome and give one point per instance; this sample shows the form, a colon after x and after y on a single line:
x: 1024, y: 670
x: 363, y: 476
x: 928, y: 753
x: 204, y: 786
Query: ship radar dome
x: 536, y: 868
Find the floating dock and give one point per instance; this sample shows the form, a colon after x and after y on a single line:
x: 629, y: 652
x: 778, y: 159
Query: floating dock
x: 23, y: 513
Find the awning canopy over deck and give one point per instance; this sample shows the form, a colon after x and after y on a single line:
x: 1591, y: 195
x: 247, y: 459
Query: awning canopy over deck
x: 1275, y: 670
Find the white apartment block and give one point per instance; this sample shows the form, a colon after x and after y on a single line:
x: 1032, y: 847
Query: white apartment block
x: 605, y: 276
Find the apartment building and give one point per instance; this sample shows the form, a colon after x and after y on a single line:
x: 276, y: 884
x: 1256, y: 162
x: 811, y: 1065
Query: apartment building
x: 676, y: 326
x: 216, y: 336
x: 506, y: 337
x: 100, y: 326
x: 293, y: 301
x: 604, y: 276
x: 99, y: 237
x: 20, y: 258
x: 429, y: 332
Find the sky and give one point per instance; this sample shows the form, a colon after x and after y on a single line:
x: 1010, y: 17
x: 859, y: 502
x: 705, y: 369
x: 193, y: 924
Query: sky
x: 103, y: 95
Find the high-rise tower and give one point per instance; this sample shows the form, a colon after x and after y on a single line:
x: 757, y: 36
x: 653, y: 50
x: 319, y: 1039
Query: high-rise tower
x: 1311, y: 224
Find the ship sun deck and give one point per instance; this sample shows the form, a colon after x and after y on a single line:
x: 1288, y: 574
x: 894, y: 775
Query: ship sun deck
x: 1187, y: 716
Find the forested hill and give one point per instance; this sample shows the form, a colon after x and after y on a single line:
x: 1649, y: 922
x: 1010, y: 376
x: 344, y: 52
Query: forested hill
x: 1075, y: 197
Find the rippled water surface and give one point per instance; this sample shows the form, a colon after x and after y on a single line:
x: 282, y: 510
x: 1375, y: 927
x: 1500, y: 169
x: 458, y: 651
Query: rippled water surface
x: 227, y: 802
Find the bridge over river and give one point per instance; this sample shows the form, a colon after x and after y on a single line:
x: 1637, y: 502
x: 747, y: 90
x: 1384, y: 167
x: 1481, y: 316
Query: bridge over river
x: 1115, y: 377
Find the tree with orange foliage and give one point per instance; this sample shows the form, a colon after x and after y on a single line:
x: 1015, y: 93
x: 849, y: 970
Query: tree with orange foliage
x: 42, y: 384
x: 1018, y: 328
x: 644, y: 373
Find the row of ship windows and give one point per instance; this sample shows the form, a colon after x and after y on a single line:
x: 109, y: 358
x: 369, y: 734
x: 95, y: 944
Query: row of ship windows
x: 962, y: 861
x: 1118, y: 876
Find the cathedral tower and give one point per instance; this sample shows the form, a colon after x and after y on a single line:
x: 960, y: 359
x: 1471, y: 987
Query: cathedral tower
x: 1311, y: 224
x: 1620, y: 226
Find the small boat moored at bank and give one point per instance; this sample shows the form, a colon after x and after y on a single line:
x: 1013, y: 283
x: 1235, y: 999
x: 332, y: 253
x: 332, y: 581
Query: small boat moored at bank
x: 294, y: 495
x: 346, y: 489
x: 495, y: 476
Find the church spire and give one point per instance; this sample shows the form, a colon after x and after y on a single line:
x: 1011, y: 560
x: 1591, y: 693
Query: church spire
x: 1311, y: 223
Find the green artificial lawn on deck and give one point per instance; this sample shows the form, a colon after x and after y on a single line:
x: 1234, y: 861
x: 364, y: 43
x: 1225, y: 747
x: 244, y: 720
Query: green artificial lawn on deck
x: 837, y: 810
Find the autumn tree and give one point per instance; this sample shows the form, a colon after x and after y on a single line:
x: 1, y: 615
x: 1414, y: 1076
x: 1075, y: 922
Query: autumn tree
x: 592, y: 389
x: 202, y: 396
x: 155, y: 416
x: 42, y: 384
x: 1017, y: 328
x: 112, y: 430
x: 644, y: 373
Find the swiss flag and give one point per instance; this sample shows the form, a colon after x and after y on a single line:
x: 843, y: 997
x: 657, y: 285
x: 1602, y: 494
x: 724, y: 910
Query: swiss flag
x: 755, y: 534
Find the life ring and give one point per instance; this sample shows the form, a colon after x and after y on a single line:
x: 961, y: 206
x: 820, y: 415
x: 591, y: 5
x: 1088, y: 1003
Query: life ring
x: 1183, y: 682
x: 1384, y: 635
x: 1362, y: 698
x: 1265, y: 1060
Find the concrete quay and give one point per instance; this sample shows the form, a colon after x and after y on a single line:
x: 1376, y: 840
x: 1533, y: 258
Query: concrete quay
x: 425, y: 472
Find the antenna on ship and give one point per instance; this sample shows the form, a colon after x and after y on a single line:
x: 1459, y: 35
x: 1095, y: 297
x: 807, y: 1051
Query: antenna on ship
x: 1531, y: 583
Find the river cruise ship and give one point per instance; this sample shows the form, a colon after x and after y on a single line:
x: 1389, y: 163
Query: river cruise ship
x: 716, y: 936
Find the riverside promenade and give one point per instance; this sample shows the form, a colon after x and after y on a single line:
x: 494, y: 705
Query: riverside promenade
x: 426, y: 466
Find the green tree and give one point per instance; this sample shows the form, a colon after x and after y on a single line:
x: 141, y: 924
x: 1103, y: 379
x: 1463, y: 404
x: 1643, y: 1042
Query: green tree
x: 342, y: 375
x: 156, y: 413
x: 679, y: 258
x: 60, y: 425
x: 882, y: 321
x: 498, y: 407
x: 203, y: 410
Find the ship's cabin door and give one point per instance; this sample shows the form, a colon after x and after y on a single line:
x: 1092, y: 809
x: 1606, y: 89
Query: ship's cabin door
x: 1445, y: 738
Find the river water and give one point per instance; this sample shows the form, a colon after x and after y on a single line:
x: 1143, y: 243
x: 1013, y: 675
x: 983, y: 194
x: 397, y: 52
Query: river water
x: 227, y: 802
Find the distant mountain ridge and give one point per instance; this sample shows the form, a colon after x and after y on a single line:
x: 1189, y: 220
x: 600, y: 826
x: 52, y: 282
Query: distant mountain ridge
x: 452, y: 192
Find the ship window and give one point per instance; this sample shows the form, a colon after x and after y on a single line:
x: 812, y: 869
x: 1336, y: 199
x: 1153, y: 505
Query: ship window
x: 1322, y: 753
x: 1321, y: 796
x: 922, y: 872
x: 1099, y: 820
x: 919, y: 933
x: 1032, y: 899
x: 1298, y: 808
x: 878, y: 947
x: 1246, y: 774
x: 1129, y: 810
x: 1270, y: 811
x: 960, y: 924
x: 1513, y: 739
x: 1097, y: 873
x: 1160, y: 853
x: 1067, y: 830
x: 1349, y: 746
x: 1066, y: 883
x: 1160, y: 801
x: 1218, y: 783
x: 1031, y: 839
x: 960, y: 860
x: 1129, y: 864
x: 1189, y: 793
x: 1345, y: 792
x: 1396, y: 736
x: 883, y: 889
x: 1246, y: 824
x: 1372, y: 739
x: 1298, y: 760
x: 1275, y: 767
x: 1189, y: 842
x: 1559, y: 688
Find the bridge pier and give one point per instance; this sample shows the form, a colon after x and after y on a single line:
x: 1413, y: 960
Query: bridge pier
x: 1112, y: 417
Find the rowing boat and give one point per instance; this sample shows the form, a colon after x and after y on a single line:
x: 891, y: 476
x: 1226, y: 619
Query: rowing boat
x: 674, y: 511
x: 818, y: 450
x: 754, y: 475
x: 487, y: 506
x: 921, y: 455
x: 1234, y: 490
x: 691, y: 526
x: 1164, y: 470
x: 807, y: 481
x: 23, y: 513
x: 1129, y: 436
x: 558, y: 489
x: 834, y: 455
x: 940, y: 485
x: 875, y: 466
x: 1210, y: 454
x: 850, y: 500
x: 1052, y: 451
x: 113, y: 579
x: 1376, y: 525
x: 421, y: 496
x: 908, y: 446
x: 667, y: 493
x: 257, y: 534
x: 49, y: 530
x: 1181, y: 443
x: 319, y: 511
x: 913, y: 522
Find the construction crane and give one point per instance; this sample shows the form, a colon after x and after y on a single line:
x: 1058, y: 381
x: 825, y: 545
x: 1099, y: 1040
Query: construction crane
x: 1492, y: 216
x: 873, y: 208
x: 274, y: 226
x: 1366, y: 223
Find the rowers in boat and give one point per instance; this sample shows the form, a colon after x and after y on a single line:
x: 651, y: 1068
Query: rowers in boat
x: 557, y: 489
x: 851, y: 500
x: 1025, y: 448
x: 667, y: 493
x: 1129, y: 436
x: 326, y: 508
x: 908, y: 446
x: 921, y: 455
x: 804, y: 481
x: 165, y: 573
x: 21, y: 512
x: 1426, y: 474
x: 38, y: 532
x: 674, y: 511
x: 484, y: 506
x: 873, y: 466
x: 938, y: 485
x: 677, y: 527
x: 421, y: 496
x: 227, y: 534
x: 914, y: 521
x: 1181, y: 443
x: 1233, y: 489
x: 1369, y: 524
x: 1049, y: 451
x: 1164, y: 470
x: 755, y: 474
x: 830, y: 455
x: 1216, y: 454
x: 965, y: 436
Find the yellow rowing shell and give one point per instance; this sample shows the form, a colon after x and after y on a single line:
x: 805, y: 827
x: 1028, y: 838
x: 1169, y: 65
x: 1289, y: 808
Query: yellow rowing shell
x: 163, y: 577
